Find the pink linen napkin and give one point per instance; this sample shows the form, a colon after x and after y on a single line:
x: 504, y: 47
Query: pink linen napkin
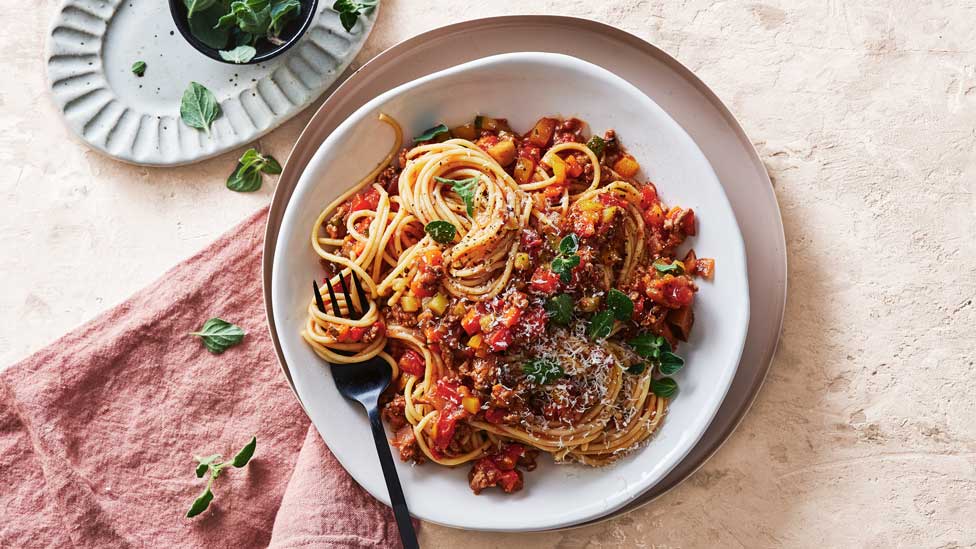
x: 98, y: 430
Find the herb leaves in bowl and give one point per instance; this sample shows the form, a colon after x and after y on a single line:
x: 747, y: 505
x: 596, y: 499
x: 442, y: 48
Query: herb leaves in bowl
x: 242, y: 31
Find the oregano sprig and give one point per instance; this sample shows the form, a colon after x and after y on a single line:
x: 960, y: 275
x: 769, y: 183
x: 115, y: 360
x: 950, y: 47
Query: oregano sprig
x: 567, y: 259
x: 657, y: 352
x: 619, y: 307
x: 246, y: 177
x: 211, y: 467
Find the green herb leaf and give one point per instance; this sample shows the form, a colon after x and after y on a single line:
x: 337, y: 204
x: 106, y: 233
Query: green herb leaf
x: 670, y: 363
x: 673, y: 267
x: 601, y: 325
x: 637, y: 369
x: 202, y: 27
x: 664, y: 387
x: 560, y: 309
x: 281, y: 13
x: 542, y: 370
x: 194, y: 6
x: 244, y: 456
x: 620, y: 304
x: 569, y: 244
x: 246, y: 177
x: 218, y: 335
x: 139, y: 68
x: 244, y: 181
x: 199, y: 107
x: 349, y: 11
x: 430, y: 133
x: 465, y: 188
x: 645, y: 344
x: 240, y: 54
x: 441, y: 231
x: 201, y: 503
x: 597, y: 145
x: 564, y: 265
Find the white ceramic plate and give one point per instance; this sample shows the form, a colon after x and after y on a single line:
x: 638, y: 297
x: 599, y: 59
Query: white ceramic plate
x: 521, y: 87
x: 92, y: 47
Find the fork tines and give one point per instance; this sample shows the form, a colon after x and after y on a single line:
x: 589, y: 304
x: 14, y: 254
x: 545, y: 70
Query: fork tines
x: 361, y: 294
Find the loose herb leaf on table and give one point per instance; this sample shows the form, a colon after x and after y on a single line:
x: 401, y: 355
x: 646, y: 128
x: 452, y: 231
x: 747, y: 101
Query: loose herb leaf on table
x: 246, y: 177
x: 211, y: 465
x: 139, y: 68
x: 199, y: 108
x: 218, y: 335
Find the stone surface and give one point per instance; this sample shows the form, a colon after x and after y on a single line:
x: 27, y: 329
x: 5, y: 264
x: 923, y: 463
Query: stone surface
x: 864, y: 112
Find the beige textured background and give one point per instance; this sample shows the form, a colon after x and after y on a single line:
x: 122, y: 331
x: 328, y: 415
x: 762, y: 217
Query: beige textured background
x: 864, y: 112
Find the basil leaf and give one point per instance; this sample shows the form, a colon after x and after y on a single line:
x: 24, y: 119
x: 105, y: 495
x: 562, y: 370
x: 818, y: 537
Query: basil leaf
x: 569, y: 244
x: 673, y: 267
x: 670, y: 363
x: 139, y: 68
x: 200, y: 504
x: 637, y: 369
x: 218, y: 335
x: 601, y: 325
x: 240, y: 54
x: 560, y: 309
x: 442, y: 232
x: 430, y: 133
x: 465, y: 188
x: 664, y: 387
x: 194, y: 6
x: 597, y: 145
x: 202, y: 26
x: 281, y: 13
x: 199, y: 107
x: 542, y: 370
x: 620, y: 304
x: 244, y: 456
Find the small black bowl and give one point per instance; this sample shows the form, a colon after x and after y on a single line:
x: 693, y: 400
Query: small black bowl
x: 291, y: 34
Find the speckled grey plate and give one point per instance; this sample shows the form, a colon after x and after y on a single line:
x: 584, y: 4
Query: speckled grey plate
x: 672, y: 86
x: 93, y: 44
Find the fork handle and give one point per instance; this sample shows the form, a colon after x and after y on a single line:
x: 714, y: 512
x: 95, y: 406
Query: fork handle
x: 407, y: 534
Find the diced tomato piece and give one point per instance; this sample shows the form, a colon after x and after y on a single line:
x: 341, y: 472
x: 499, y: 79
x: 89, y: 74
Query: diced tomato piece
x: 672, y: 292
x: 350, y: 334
x: 446, y: 391
x: 446, y: 425
x: 573, y: 167
x: 532, y: 324
x: 530, y: 240
x: 433, y: 334
x: 510, y: 481
x: 654, y: 217
x: 412, y: 363
x: 544, y: 281
x: 418, y: 289
x: 499, y: 339
x: 610, y: 199
x: 688, y: 225
x: 648, y: 195
x: 511, y: 316
x: 494, y: 415
x: 471, y: 323
x: 705, y: 267
x: 554, y: 192
x: 433, y: 257
x: 368, y: 199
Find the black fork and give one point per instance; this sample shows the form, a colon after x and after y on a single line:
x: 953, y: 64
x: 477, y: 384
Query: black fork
x: 363, y: 382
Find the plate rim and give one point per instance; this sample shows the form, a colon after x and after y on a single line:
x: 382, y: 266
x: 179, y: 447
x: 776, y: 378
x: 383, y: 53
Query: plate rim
x: 381, y: 62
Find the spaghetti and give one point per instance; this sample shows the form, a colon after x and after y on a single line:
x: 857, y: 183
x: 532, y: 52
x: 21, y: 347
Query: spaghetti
x: 525, y: 290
